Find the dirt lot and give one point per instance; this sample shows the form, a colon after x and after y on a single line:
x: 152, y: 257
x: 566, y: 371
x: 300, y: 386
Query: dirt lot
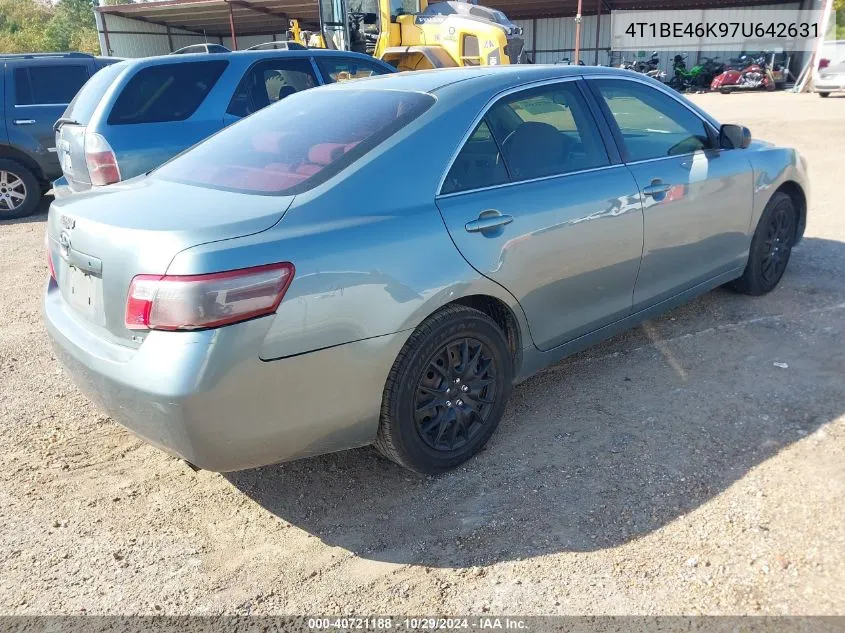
x: 674, y: 469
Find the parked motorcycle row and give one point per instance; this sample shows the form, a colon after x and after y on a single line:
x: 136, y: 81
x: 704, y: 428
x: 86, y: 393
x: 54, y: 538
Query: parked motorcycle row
x: 746, y: 72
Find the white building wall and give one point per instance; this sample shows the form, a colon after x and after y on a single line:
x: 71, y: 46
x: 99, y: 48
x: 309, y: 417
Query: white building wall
x: 245, y: 41
x: 555, y: 39
x: 135, y: 38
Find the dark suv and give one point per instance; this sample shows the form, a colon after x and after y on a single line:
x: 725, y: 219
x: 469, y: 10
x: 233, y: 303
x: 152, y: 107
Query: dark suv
x: 34, y: 91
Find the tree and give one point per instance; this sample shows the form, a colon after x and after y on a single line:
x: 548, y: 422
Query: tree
x: 22, y: 24
x: 839, y: 16
x: 72, y: 27
x: 29, y: 26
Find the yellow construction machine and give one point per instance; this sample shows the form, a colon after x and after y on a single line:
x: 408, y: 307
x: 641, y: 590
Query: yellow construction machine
x: 416, y: 34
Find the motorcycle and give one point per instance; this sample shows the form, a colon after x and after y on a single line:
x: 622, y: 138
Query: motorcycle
x: 683, y: 79
x: 755, y: 74
x: 650, y: 67
x: 712, y: 67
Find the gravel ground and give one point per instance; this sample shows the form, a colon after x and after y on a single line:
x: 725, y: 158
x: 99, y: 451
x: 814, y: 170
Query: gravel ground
x: 674, y: 469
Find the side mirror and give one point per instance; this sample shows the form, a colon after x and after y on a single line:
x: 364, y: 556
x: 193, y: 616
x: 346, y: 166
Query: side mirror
x: 734, y: 137
x: 370, y: 18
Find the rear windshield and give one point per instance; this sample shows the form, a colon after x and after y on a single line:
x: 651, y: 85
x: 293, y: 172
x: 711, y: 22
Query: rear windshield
x: 297, y: 143
x: 167, y: 92
x: 81, y: 109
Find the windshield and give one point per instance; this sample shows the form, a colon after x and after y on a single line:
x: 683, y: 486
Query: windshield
x: 81, y: 109
x: 299, y: 142
x: 404, y: 7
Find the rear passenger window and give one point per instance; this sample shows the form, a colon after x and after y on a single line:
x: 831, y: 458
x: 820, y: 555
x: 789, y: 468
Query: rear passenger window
x: 43, y: 85
x: 478, y: 165
x: 345, y: 68
x: 547, y: 131
x: 168, y: 92
x: 81, y: 109
x: 270, y: 81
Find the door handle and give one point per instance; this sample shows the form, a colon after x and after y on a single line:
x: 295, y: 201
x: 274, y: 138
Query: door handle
x: 656, y: 188
x: 488, y: 221
x: 24, y: 121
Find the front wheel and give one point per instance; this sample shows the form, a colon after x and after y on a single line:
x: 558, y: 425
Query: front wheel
x: 824, y: 95
x: 446, y: 392
x: 771, y: 247
x: 726, y: 90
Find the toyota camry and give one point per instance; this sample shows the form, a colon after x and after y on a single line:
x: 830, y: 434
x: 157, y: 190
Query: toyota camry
x: 380, y: 261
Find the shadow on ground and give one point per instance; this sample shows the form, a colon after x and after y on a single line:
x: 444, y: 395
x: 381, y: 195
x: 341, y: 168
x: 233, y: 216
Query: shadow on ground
x: 605, y: 447
x: 39, y: 215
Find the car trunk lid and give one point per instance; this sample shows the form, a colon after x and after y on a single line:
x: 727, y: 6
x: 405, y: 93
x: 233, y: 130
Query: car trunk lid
x: 71, y: 127
x: 100, y: 240
x: 70, y: 147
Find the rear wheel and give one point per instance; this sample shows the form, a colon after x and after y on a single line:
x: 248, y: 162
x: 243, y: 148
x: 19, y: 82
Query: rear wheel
x: 19, y: 190
x: 770, y: 248
x: 824, y: 95
x: 447, y: 391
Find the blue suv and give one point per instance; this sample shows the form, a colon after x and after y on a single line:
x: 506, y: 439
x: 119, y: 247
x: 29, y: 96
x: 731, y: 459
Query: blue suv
x: 135, y: 115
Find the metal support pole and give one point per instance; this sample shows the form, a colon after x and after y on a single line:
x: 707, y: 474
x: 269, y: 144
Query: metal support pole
x: 169, y: 39
x: 232, y: 27
x: 106, y: 34
x: 534, y: 41
x: 578, y: 35
x: 598, y: 31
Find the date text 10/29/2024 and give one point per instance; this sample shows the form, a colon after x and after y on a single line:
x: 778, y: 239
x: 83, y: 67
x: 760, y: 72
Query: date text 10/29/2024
x: 417, y: 624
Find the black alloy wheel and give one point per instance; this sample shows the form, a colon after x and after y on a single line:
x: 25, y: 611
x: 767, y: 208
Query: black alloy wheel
x: 455, y: 394
x: 771, y: 247
x: 446, y: 392
x: 780, y: 237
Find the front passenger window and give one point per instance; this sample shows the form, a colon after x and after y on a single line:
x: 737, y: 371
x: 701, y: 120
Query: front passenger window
x: 652, y: 124
x: 478, y: 165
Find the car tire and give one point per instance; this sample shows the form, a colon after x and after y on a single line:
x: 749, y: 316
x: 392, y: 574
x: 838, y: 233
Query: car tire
x: 824, y: 95
x: 726, y: 91
x: 23, y: 182
x: 446, y: 392
x: 771, y: 247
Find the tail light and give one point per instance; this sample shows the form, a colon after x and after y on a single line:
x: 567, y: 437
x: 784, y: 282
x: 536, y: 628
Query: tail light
x: 824, y: 63
x: 101, y: 161
x: 49, y: 256
x: 192, y: 302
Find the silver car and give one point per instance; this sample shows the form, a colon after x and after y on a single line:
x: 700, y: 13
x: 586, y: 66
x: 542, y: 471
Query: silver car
x: 378, y: 262
x: 830, y: 79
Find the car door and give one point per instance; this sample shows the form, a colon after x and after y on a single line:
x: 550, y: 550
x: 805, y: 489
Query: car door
x: 537, y: 201
x: 269, y: 81
x: 696, y: 197
x: 38, y: 91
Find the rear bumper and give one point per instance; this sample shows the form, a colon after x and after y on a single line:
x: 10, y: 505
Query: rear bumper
x: 829, y: 85
x: 208, y: 398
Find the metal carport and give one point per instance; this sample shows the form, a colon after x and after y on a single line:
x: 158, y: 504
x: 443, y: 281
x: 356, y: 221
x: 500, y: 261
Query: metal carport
x: 550, y: 29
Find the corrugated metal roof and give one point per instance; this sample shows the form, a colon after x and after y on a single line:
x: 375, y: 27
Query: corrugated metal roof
x: 212, y: 16
x: 252, y: 17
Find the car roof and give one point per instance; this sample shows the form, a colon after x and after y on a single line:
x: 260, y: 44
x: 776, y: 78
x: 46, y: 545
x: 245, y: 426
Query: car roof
x: 490, y: 80
x: 244, y: 55
x: 477, y: 78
